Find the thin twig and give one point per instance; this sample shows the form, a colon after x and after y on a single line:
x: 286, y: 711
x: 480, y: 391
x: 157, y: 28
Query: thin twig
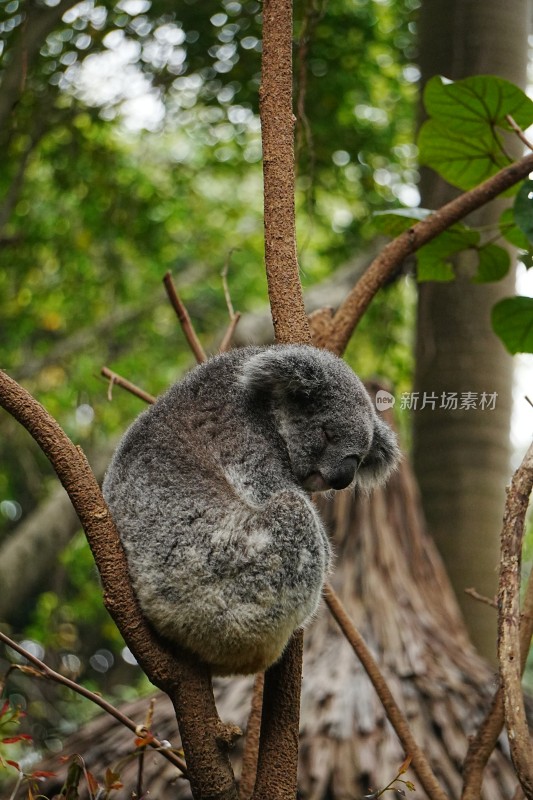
x: 420, y: 763
x: 234, y: 316
x: 228, y: 336
x: 224, y: 276
x: 481, y: 597
x: 47, y: 672
x: 184, y: 319
x: 114, y: 378
x: 519, y: 132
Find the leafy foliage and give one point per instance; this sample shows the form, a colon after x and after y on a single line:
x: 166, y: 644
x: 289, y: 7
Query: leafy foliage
x: 463, y: 138
x: 435, y: 258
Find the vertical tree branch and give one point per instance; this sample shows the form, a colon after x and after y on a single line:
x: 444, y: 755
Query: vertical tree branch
x: 278, y: 749
x: 251, y: 745
x: 277, y: 132
x: 509, y: 622
x: 280, y: 726
x: 419, y: 761
x: 483, y: 743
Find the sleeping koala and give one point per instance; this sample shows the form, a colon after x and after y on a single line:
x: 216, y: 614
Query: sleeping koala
x: 209, y: 490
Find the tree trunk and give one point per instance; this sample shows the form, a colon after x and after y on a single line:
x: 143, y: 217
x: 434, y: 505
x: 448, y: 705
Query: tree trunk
x: 462, y: 458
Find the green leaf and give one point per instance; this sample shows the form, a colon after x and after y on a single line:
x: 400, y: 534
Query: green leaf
x: 461, y: 140
x: 523, y: 210
x: 434, y: 258
x: 397, y: 220
x: 494, y: 263
x: 472, y: 105
x: 526, y: 259
x: 512, y: 320
x: 462, y: 160
x: 511, y: 232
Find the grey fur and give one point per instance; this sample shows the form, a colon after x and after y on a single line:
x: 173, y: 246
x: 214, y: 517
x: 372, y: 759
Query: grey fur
x: 209, y: 489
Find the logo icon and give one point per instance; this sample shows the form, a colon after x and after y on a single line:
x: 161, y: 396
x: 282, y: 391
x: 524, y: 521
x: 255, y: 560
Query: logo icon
x: 384, y: 400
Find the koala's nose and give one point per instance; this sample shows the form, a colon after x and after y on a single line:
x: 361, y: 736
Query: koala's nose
x: 344, y: 474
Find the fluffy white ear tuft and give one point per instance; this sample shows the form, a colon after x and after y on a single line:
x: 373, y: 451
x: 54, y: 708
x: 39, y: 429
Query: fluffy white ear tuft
x: 383, y: 458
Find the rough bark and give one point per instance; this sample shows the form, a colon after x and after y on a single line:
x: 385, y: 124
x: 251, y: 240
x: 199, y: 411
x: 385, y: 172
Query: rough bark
x: 462, y: 458
x: 277, y: 134
x: 509, y: 625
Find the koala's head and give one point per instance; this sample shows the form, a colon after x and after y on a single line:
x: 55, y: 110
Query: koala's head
x: 324, y: 415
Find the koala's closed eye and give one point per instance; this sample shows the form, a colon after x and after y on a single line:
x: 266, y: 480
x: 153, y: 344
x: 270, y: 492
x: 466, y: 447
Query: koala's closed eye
x: 209, y: 493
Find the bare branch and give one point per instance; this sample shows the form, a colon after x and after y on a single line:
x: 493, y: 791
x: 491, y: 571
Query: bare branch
x: 184, y: 319
x: 488, y: 601
x: 509, y: 651
x: 280, y: 723
x: 115, y: 378
x: 396, y: 718
x: 228, y: 336
x: 277, y: 133
x: 484, y: 742
x: 97, y: 699
x: 224, y: 276
x: 519, y: 132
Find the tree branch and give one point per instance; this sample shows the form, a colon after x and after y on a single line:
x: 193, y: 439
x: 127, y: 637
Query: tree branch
x: 184, y: 319
x: 509, y: 652
x: 115, y: 378
x: 44, y: 671
x: 277, y: 133
x: 186, y: 681
x: 419, y: 761
x: 484, y: 741
x: 280, y: 726
x: 251, y: 744
x: 337, y: 334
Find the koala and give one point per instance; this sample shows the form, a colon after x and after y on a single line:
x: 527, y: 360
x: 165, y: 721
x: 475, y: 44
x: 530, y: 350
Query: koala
x: 210, y: 492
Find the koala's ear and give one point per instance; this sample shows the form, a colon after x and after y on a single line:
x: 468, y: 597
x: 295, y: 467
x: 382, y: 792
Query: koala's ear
x: 281, y: 370
x: 382, y: 458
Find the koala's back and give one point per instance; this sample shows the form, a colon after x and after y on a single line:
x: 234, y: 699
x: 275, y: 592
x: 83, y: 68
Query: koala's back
x: 226, y: 552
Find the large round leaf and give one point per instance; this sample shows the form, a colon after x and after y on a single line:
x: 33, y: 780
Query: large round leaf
x: 473, y: 105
